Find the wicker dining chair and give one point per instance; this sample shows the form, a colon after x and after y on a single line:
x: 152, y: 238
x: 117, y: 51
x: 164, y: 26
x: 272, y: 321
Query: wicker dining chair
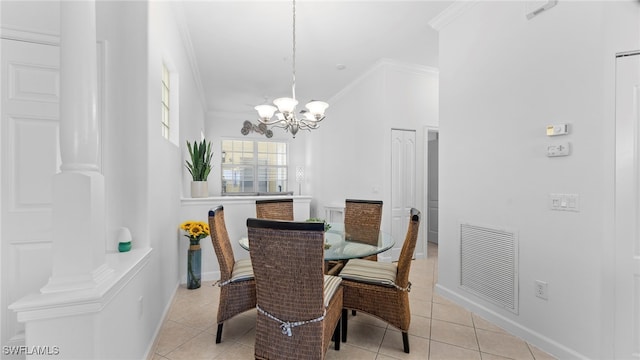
x: 382, y: 289
x: 237, y: 284
x: 275, y: 209
x: 362, y: 220
x: 299, y: 308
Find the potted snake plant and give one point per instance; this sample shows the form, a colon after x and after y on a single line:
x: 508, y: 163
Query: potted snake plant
x: 199, y: 167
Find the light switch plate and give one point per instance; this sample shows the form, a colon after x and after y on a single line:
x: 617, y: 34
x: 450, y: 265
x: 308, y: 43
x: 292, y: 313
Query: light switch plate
x: 564, y: 202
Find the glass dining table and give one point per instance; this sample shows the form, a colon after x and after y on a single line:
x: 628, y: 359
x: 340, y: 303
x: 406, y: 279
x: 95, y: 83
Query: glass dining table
x: 350, y: 242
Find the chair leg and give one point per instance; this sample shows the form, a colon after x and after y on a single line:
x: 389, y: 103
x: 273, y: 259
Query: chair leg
x: 353, y: 312
x: 219, y: 333
x: 405, y: 341
x: 336, y: 335
x: 345, y: 314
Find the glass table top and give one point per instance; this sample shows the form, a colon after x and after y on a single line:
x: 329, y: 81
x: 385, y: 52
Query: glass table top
x: 354, y: 242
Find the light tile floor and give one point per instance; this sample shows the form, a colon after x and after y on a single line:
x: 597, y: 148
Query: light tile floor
x: 439, y: 329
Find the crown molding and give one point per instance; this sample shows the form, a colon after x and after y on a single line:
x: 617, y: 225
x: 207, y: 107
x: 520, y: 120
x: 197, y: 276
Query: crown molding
x: 382, y: 63
x: 188, y: 47
x: 409, y: 67
x: 449, y: 14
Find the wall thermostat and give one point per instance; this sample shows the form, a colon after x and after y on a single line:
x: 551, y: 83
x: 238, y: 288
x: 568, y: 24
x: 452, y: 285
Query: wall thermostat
x: 558, y: 129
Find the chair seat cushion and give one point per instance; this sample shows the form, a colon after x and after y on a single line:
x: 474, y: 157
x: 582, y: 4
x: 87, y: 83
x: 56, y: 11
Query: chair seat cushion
x: 372, y: 272
x: 242, y: 270
x: 331, y: 284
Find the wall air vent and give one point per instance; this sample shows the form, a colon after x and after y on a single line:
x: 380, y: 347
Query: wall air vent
x: 489, y: 264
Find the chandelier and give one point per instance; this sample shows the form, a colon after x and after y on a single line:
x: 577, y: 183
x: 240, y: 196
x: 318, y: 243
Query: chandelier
x: 285, y: 108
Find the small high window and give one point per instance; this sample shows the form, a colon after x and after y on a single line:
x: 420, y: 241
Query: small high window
x: 166, y: 108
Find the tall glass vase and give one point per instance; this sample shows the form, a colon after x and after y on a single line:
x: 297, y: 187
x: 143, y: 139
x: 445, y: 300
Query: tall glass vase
x: 194, y: 262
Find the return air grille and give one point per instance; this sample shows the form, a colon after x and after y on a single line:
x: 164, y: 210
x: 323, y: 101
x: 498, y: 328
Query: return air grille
x: 489, y: 264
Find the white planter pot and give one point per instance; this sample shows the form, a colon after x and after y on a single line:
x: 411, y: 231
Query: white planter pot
x: 199, y: 189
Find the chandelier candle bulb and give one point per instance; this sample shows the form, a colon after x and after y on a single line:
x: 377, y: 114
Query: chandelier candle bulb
x: 286, y: 105
x: 265, y: 112
x: 317, y: 108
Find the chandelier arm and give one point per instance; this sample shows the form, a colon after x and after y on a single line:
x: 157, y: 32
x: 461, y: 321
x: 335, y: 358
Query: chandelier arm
x: 308, y: 124
x: 269, y: 123
x: 281, y: 126
x: 311, y: 123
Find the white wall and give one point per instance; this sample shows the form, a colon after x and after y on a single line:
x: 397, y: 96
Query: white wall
x: 166, y: 162
x: 124, y: 136
x: 351, y: 152
x: 503, y: 79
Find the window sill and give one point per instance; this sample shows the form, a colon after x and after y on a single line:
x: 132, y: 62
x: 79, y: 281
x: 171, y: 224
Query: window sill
x: 285, y: 193
x: 242, y: 198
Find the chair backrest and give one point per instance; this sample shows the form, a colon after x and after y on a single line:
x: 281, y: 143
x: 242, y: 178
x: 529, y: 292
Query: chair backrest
x: 288, y: 261
x: 362, y: 220
x: 221, y: 243
x: 409, y: 246
x: 275, y: 209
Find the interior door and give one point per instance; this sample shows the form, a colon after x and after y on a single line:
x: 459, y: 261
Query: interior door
x: 432, y: 183
x: 627, y: 211
x: 403, y: 185
x: 29, y: 157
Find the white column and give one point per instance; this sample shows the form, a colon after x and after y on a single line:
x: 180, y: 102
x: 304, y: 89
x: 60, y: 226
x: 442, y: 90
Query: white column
x: 78, y: 191
x: 79, y: 131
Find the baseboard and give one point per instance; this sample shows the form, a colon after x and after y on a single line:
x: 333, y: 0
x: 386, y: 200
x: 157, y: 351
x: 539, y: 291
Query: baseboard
x: 542, y: 342
x: 149, y: 353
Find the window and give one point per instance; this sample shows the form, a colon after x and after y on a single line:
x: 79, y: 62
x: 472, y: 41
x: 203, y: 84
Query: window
x: 166, y: 95
x: 250, y: 167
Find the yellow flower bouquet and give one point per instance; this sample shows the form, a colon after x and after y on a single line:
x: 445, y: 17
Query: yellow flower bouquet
x: 195, y: 230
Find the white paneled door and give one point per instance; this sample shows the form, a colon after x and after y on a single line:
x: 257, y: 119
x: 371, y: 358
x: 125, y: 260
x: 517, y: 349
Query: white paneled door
x: 29, y: 157
x: 403, y: 185
x: 627, y: 212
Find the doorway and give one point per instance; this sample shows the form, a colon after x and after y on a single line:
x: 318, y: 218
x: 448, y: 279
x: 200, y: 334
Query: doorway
x: 432, y: 185
x: 403, y: 184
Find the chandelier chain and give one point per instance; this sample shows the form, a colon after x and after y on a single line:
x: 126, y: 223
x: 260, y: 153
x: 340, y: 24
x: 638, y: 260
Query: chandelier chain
x: 293, y: 61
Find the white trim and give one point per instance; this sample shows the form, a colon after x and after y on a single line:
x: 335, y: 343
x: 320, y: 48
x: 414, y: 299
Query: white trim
x: 70, y: 303
x: 451, y: 13
x: 425, y: 194
x: 102, y: 66
x: 22, y: 34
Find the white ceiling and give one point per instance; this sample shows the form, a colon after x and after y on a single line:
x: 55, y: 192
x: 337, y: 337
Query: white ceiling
x: 243, y: 49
